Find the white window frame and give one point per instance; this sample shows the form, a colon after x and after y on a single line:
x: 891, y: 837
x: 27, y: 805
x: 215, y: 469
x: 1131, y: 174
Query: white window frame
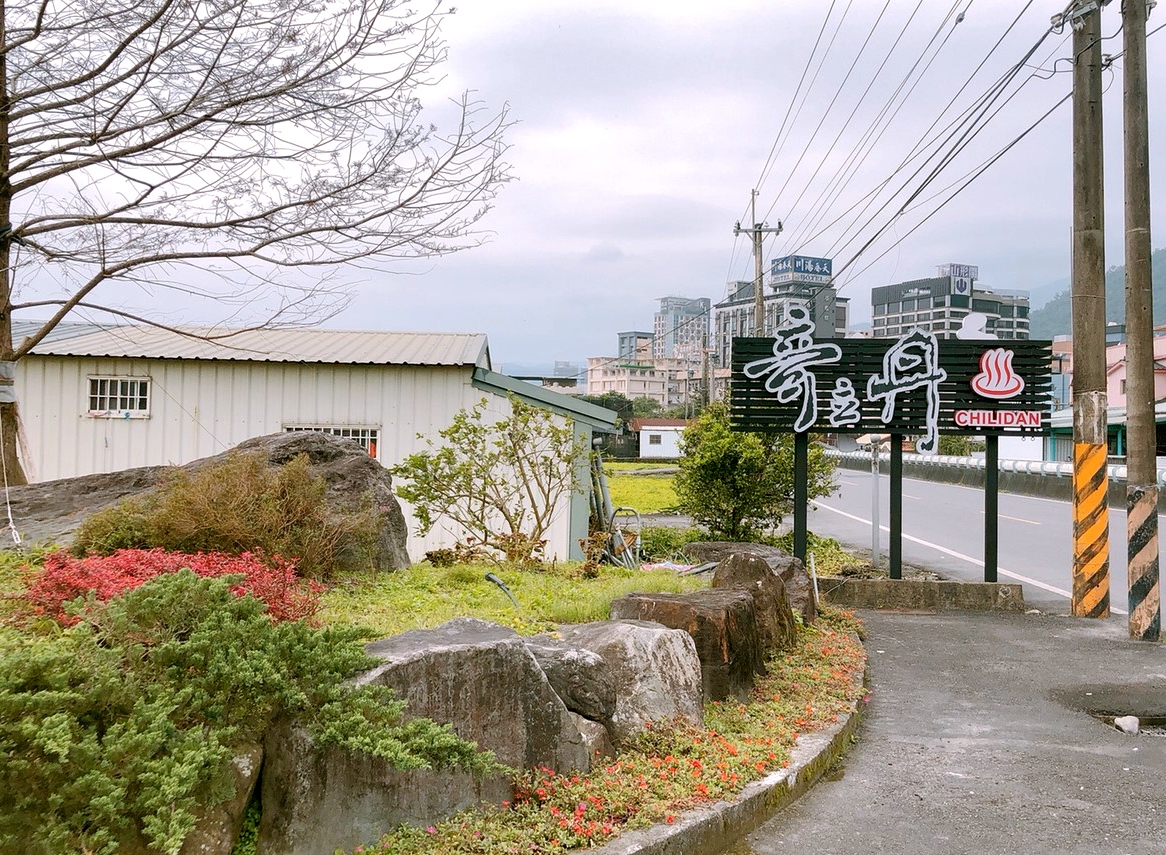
x: 126, y: 391
x: 369, y: 436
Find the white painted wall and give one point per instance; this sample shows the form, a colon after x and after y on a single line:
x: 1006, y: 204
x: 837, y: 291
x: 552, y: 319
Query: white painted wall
x: 201, y: 408
x: 669, y: 445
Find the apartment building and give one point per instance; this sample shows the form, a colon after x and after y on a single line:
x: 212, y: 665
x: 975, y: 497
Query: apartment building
x: 940, y: 303
x: 681, y: 328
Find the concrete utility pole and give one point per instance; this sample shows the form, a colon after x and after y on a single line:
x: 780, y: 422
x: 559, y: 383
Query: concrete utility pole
x: 758, y: 230
x: 1145, y: 618
x: 1090, y: 446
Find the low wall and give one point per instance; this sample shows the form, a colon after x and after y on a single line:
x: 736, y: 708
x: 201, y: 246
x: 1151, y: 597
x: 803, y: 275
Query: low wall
x: 1027, y: 478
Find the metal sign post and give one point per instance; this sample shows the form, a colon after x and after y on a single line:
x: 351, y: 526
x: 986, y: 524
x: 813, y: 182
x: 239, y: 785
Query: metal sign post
x: 895, y: 550
x: 875, y: 534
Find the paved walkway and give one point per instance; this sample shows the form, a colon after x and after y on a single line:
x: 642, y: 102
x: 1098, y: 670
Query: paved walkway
x: 976, y: 741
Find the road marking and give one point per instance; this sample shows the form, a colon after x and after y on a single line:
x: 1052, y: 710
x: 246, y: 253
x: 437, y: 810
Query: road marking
x: 1017, y: 519
x: 976, y: 561
x: 909, y: 496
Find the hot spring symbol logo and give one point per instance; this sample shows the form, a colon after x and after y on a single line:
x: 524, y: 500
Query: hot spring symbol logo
x: 996, y: 379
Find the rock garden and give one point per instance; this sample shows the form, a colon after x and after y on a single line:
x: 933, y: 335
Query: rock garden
x: 235, y: 657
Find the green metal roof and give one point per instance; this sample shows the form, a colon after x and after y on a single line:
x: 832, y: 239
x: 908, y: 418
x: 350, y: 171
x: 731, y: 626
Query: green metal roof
x: 599, y: 418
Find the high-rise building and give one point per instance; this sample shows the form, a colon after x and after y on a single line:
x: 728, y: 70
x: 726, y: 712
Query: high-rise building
x: 794, y: 280
x: 681, y: 328
x: 941, y: 303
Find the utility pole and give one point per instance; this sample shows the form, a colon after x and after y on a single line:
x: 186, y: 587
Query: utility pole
x: 1145, y: 618
x: 706, y: 398
x: 1090, y: 431
x: 758, y: 230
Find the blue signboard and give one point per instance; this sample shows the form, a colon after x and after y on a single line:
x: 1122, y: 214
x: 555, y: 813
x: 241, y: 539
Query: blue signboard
x: 802, y: 268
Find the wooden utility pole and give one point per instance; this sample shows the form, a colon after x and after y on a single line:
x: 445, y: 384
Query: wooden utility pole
x: 758, y: 231
x: 1090, y: 440
x: 1145, y: 621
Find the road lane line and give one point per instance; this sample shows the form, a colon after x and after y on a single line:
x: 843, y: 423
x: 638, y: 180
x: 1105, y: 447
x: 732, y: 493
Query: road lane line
x: 1017, y: 519
x: 976, y: 561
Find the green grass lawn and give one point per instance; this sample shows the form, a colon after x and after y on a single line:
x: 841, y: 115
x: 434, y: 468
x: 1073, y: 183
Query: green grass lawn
x: 425, y: 596
x: 648, y: 494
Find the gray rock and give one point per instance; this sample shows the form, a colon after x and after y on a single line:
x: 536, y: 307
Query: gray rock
x: 476, y: 676
x: 776, y: 627
x: 596, y: 737
x: 1128, y: 724
x: 218, y: 827
x: 799, y: 588
x: 580, y: 677
x: 655, y: 670
x: 723, y: 626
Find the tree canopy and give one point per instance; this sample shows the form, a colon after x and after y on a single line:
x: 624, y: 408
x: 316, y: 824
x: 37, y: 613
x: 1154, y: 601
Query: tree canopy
x: 238, y: 150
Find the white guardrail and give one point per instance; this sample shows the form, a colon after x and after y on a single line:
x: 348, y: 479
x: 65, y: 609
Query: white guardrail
x: 1027, y: 467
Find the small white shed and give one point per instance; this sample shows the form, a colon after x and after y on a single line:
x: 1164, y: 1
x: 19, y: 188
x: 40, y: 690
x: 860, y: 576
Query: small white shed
x: 126, y: 396
x: 659, y: 438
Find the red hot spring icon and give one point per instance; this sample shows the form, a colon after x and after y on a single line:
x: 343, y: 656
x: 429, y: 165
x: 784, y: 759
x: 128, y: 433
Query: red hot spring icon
x: 996, y: 379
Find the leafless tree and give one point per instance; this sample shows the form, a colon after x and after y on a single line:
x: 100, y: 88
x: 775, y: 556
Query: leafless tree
x: 174, y: 143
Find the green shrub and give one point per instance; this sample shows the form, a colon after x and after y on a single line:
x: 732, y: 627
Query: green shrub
x: 665, y: 543
x: 239, y: 505
x: 829, y: 556
x: 116, y: 729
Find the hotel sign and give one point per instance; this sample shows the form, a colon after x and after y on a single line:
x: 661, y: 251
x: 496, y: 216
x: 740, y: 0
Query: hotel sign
x: 915, y: 384
x: 802, y: 268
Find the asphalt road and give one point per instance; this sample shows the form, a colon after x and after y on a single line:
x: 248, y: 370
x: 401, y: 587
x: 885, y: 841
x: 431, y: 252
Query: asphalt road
x: 943, y: 530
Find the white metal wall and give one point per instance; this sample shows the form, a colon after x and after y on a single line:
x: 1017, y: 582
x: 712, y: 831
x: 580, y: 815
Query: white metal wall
x: 669, y: 445
x: 200, y: 408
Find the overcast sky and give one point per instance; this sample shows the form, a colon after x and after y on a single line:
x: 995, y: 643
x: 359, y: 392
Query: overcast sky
x: 643, y: 126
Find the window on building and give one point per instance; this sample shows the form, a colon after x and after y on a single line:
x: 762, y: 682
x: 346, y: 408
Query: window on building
x: 654, y: 439
x: 959, y: 301
x: 366, y: 436
x: 1123, y: 387
x: 123, y: 397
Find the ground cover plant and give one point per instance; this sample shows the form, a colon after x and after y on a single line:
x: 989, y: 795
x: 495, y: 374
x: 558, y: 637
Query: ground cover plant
x: 671, y: 768
x: 61, y: 578
x: 117, y: 728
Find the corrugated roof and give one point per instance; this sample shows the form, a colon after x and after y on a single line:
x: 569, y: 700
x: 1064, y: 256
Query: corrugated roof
x: 347, y: 347
x: 65, y: 329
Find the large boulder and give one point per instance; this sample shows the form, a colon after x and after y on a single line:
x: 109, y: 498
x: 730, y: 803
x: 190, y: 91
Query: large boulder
x: 799, y: 588
x: 218, y: 827
x: 581, y: 678
x: 352, y: 480
x: 477, y: 677
x: 776, y: 627
x: 656, y: 672
x: 723, y: 627
x: 52, y: 511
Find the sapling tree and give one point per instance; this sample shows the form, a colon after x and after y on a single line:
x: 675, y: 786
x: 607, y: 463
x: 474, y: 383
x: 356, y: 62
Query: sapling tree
x: 501, y: 481
x: 738, y: 484
x: 239, y: 151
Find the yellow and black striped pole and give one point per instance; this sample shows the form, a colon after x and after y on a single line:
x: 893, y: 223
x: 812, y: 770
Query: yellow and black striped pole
x: 1090, y: 428
x: 1090, y: 530
x: 1145, y: 618
x: 1142, y: 568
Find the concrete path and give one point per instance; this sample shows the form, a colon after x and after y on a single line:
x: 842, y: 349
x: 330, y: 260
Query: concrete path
x: 977, y: 740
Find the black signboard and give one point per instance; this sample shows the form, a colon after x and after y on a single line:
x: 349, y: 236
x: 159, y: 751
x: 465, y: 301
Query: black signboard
x: 916, y: 384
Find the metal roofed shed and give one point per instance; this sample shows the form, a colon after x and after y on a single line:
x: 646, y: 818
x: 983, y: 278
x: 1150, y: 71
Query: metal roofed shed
x: 124, y: 397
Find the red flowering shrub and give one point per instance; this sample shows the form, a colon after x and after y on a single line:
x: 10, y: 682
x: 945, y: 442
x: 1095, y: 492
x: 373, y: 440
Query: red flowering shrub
x: 64, y: 577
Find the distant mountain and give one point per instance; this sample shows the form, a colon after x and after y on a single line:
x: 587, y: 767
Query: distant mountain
x: 1056, y: 318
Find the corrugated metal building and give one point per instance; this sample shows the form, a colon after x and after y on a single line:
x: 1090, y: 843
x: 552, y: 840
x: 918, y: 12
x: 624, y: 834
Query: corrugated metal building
x: 122, y: 397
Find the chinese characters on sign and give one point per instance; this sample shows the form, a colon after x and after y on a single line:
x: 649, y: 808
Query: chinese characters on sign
x: 787, y: 372
x: 917, y: 384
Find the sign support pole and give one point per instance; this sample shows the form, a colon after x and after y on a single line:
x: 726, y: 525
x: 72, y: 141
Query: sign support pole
x: 991, y: 506
x: 875, y: 535
x: 896, y: 544
x: 801, y: 493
